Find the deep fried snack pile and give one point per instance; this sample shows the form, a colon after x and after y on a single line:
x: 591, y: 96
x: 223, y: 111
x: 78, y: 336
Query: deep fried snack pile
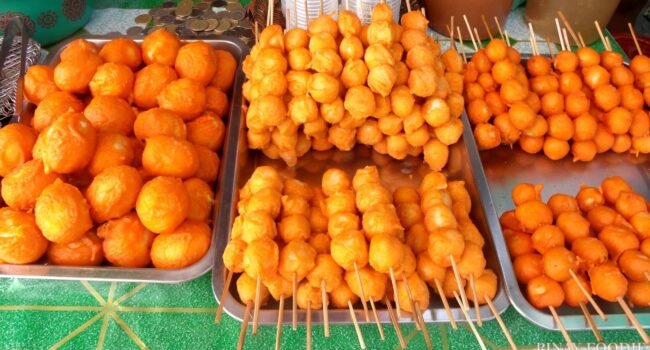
x: 383, y: 85
x: 120, y: 159
x: 287, y: 233
x: 582, y: 102
x: 602, y: 235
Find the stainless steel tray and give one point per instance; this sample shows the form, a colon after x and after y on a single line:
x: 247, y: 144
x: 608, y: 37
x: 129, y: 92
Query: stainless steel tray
x: 464, y: 163
x: 150, y: 274
x: 505, y: 167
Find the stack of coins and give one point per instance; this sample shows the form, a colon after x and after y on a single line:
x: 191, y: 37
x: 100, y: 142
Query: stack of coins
x: 197, y: 20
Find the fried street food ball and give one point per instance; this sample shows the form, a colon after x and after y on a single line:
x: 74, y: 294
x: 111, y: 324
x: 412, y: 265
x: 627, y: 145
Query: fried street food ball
x: 78, y: 47
x: 206, y: 130
x: 85, y: 252
x: 308, y: 296
x: 261, y: 258
x: 436, y: 154
x: 278, y: 286
x: 472, y: 261
x: 122, y: 50
x: 163, y: 204
x: 340, y: 202
x: 629, y: 203
x: 22, y: 186
x: 161, y: 47
x: 182, y: 247
x: 68, y: 144
x: 635, y: 265
x: 22, y: 241
x: 612, y: 187
x: 335, y: 180
x: 519, y: 243
x: 384, y: 254
x: 618, y: 240
x: 607, y: 281
x: 427, y: 269
x: 373, y: 282
x: 159, y: 122
x: 297, y: 257
x: 326, y: 270
x: 113, y: 192
x: 527, y: 267
x: 296, y: 38
x: 486, y: 287
x: 323, y: 88
x: 420, y: 81
x: 294, y: 227
x: 226, y: 69
x: 233, y: 255
x: 526, y: 192
x: 53, y: 105
x: 112, y: 79
x: 573, y: 295
x: 16, y: 143
x: 74, y: 75
x: 533, y: 214
x: 601, y: 216
x: 444, y: 244
x: 547, y: 237
x: 208, y: 164
x: 349, y: 248
x: 185, y: 97
x: 382, y: 219
x: 112, y: 149
x: 573, y: 225
x: 641, y: 223
x: 558, y: 262
x: 342, y: 295
x: 419, y: 293
x: 257, y: 225
x: 267, y: 200
x: 543, y: 292
x: 264, y: 177
x: 645, y: 247
x: 247, y: 290
x: 39, y: 82
x: 201, y: 199
x: 110, y: 113
x: 149, y: 82
x: 450, y: 284
x: 359, y: 101
x: 169, y: 156
x: 638, y: 293
x: 589, y: 198
x: 197, y: 61
x: 522, y: 116
x: 62, y: 213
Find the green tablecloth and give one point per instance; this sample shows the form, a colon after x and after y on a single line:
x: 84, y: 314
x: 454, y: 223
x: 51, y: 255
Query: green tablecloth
x: 80, y: 315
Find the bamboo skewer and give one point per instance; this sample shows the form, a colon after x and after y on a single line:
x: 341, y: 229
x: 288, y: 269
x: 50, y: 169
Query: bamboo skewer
x: 415, y: 309
x: 306, y: 8
x: 487, y: 27
x: 591, y: 323
x: 533, y: 39
x: 568, y: 26
x: 326, y: 316
x: 451, y: 31
x: 454, y: 267
x: 295, y: 14
x: 393, y: 320
x: 256, y: 33
x: 394, y: 283
x: 308, y: 338
x: 602, y: 37
x: 471, y: 324
x: 379, y: 327
x: 502, y: 324
x: 496, y: 20
x: 362, y: 343
x: 363, y: 293
x: 278, y: 334
x: 244, y: 326
x: 288, y: 19
x: 559, y: 34
x: 636, y: 43
x: 445, y: 303
x: 609, y: 44
x: 582, y: 42
x: 408, y: 5
x: 505, y: 32
x: 320, y: 8
x: 416, y: 319
x: 425, y: 331
x: 256, y: 312
x: 566, y: 39
x: 226, y: 286
x: 633, y: 320
x: 462, y: 45
x: 588, y: 296
x: 477, y: 310
x: 268, y: 12
x: 478, y: 40
x: 550, y: 50
x: 469, y: 30
x: 294, y: 311
x: 347, y: 5
x: 560, y: 325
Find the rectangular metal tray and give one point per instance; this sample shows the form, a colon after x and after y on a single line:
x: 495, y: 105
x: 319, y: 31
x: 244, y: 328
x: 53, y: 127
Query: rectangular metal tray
x: 149, y: 274
x: 464, y: 163
x: 505, y: 167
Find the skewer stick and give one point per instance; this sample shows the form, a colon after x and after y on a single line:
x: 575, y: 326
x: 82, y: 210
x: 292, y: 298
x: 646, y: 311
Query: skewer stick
x: 222, y: 298
x: 424, y: 12
x: 560, y: 325
x: 566, y: 39
x: 582, y: 41
x: 477, y: 310
x: 533, y: 40
x: 362, y: 343
x: 478, y: 40
x: 347, y: 5
x: 363, y: 293
x: 559, y: 34
x: 568, y: 26
x: 633, y: 320
x: 469, y: 30
x: 454, y: 267
x: 320, y: 8
x: 496, y: 20
x: 393, y: 320
x: 416, y: 319
x: 326, y: 317
x: 602, y: 37
x: 374, y: 312
x: 308, y: 338
x: 408, y: 5
x: 288, y: 19
x: 462, y: 45
x: 256, y: 312
x: 504, y: 329
x: 445, y: 303
x: 487, y: 27
x: 532, y: 47
x: 415, y: 310
x: 471, y: 324
x: 393, y: 281
x: 591, y: 323
x: 636, y: 42
x: 550, y: 50
x: 588, y: 296
x: 425, y: 331
x: 272, y: 9
x: 256, y: 33
x: 294, y: 312
x: 244, y: 326
x: 647, y: 274
x: 278, y: 334
x: 269, y: 9
x: 306, y: 8
x: 505, y: 32
x: 295, y: 14
x: 609, y: 44
x: 451, y: 31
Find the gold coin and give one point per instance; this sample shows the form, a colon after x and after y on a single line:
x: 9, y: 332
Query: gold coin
x: 213, y: 23
x: 143, y: 19
x: 223, y: 26
x: 197, y: 25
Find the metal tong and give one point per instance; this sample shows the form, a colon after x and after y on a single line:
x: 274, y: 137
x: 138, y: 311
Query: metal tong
x: 15, y: 26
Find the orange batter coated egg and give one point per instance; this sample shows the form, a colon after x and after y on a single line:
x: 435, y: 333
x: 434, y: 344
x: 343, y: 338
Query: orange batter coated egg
x: 68, y: 144
x: 21, y: 242
x: 16, y: 143
x: 62, y: 213
x: 113, y: 192
x: 87, y: 251
x: 182, y: 247
x: 127, y: 242
x: 163, y: 204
